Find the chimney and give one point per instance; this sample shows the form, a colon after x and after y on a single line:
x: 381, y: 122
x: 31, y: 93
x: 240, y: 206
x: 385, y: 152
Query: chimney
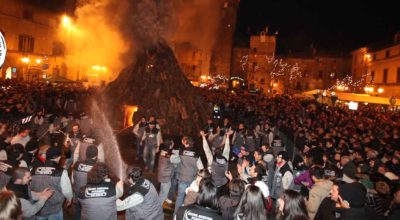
x: 397, y: 38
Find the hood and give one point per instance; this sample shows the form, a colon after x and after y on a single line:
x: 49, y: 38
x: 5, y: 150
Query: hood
x: 325, y: 185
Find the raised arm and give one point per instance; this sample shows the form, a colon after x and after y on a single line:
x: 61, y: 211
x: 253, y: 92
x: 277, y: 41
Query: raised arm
x: 227, y: 146
x: 206, y: 149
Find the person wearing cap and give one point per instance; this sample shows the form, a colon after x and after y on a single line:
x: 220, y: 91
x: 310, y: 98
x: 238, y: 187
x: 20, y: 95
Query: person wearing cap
x: 283, y: 175
x: 151, y: 140
x: 98, y: 197
x: 349, y: 169
x: 79, y: 175
x: 142, y: 201
x: 51, y: 175
x: 354, y: 195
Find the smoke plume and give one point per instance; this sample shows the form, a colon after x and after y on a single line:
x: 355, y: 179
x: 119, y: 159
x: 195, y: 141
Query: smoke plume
x: 109, y: 32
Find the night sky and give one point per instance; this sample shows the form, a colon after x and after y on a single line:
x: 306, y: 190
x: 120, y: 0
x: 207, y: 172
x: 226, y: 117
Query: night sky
x: 338, y: 26
x: 334, y: 25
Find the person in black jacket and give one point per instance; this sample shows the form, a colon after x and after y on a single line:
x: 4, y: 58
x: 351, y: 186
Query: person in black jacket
x: 327, y: 208
x: 395, y: 206
x: 206, y: 205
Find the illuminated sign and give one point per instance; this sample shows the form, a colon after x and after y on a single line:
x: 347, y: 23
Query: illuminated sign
x: 3, y: 49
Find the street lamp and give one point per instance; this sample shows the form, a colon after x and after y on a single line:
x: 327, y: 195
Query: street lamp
x: 66, y: 21
x: 380, y: 90
x: 25, y: 60
x: 368, y: 89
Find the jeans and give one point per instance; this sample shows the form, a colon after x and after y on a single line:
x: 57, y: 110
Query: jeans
x: 181, y: 195
x: 77, y: 209
x: 138, y: 149
x: 164, y: 189
x: 58, y: 216
x: 174, y: 185
x: 149, y: 155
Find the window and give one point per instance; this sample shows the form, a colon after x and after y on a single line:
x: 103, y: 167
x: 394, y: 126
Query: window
x: 374, y: 57
x: 372, y: 76
x: 226, y: 4
x: 387, y: 54
x: 28, y: 15
x: 255, y: 49
x: 398, y: 75
x: 26, y: 43
x: 262, y: 81
x: 385, y: 75
x: 320, y: 74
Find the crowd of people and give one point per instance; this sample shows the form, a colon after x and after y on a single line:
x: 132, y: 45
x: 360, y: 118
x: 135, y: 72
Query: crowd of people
x: 257, y: 157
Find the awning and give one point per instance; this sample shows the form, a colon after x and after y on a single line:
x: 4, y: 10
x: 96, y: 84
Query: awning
x: 356, y: 97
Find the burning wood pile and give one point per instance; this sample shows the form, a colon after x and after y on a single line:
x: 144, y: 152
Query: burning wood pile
x: 157, y: 86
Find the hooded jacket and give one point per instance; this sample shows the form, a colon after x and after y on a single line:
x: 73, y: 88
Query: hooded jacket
x: 318, y: 192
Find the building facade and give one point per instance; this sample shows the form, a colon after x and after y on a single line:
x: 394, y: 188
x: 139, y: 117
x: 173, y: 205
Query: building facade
x: 319, y: 71
x: 379, y: 68
x: 193, y: 61
x: 265, y: 71
x: 34, y: 50
x: 221, y: 55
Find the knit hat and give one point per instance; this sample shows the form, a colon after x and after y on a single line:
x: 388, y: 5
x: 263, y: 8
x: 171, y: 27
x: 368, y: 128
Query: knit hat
x: 363, y: 168
x: 91, y: 151
x: 53, y: 152
x: 236, y: 151
x: 32, y: 145
x: 350, y: 170
x: 329, y: 172
x: 354, y: 193
x: 284, y: 155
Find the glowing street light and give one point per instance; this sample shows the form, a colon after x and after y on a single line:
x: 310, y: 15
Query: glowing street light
x: 380, y: 90
x: 368, y: 89
x: 99, y: 68
x: 38, y: 61
x: 66, y: 21
x: 275, y: 85
x: 25, y: 59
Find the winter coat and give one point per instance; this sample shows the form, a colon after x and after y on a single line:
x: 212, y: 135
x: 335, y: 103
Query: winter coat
x: 228, y: 205
x: 304, y: 177
x: 326, y: 210
x: 318, y: 193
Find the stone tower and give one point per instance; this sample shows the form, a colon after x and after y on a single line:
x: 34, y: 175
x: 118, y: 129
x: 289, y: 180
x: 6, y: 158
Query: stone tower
x: 222, y: 52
